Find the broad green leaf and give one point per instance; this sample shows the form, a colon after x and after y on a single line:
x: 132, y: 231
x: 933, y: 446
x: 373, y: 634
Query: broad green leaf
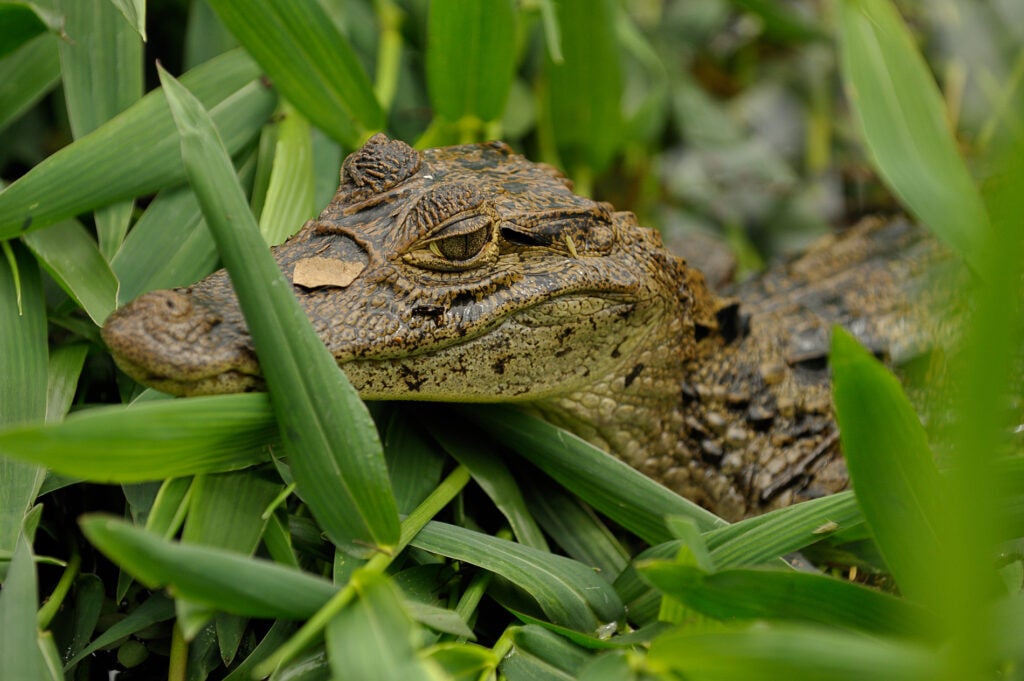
x: 795, y: 653
x: 469, y: 449
x: 758, y: 540
x: 134, y: 12
x: 309, y: 61
x: 374, y: 637
x: 26, y: 75
x: 891, y: 467
x: 568, y: 592
x: 439, y: 619
x: 575, y: 528
x: 170, y: 245
x: 136, y: 152
x: 150, y: 441
x: 584, y: 91
x: 62, y: 379
x: 23, y: 378
x: 71, y: 257
x: 901, y: 113
x: 788, y: 595
x: 205, y: 36
x: 471, y: 54
x: 415, y: 463
x: 542, y: 654
x: 289, y: 201
x: 225, y: 580
x: 463, y: 661
x: 101, y: 68
x: 225, y: 510
x: 168, y: 509
x: 335, y: 453
x: 18, y: 630
x: 623, y: 494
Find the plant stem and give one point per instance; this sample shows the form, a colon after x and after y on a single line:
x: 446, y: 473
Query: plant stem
x: 412, y: 524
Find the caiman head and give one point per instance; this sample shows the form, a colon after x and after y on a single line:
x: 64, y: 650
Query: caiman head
x: 457, y: 274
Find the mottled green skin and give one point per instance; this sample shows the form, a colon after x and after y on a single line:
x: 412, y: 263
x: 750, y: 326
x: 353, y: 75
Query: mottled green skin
x: 470, y: 274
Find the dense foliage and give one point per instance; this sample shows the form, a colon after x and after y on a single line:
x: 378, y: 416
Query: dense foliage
x: 189, y: 539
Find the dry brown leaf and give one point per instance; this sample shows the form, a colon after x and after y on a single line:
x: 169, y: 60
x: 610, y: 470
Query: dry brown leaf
x: 317, y: 272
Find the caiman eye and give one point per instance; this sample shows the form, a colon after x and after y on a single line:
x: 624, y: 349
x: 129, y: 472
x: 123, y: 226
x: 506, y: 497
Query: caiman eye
x: 460, y: 245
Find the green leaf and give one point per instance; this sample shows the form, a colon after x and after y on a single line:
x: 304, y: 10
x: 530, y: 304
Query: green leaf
x: 170, y: 245
x: 470, y: 57
x: 21, y: 22
x: 575, y: 528
x: 156, y: 608
x: 151, y: 440
x: 622, y: 493
x: 569, y: 593
x: 794, y: 653
x: 289, y: 201
x: 310, y: 62
x: 134, y: 12
x: 26, y: 75
x: 781, y: 22
x: 335, y: 453
x: 761, y: 539
x: 901, y: 113
x: 18, y: 632
x: 463, y: 661
x: 136, y: 152
x: 101, y: 67
x: 891, y: 467
x: 584, y: 91
x: 71, y: 257
x: 225, y: 510
x: 216, y: 578
x: 23, y: 378
x: 494, y: 478
x: 788, y: 595
x: 373, y: 637
x: 65, y: 367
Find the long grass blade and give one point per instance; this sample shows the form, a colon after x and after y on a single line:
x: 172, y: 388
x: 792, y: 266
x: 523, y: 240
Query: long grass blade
x: 136, y: 152
x: 335, y: 453
x: 787, y: 595
x: 891, y: 466
x: 225, y: 580
x: 470, y: 57
x: 149, y: 441
x: 23, y: 377
x: 26, y: 75
x: 903, y: 120
x: 623, y: 494
x: 309, y: 59
x: 18, y: 631
x: 568, y: 592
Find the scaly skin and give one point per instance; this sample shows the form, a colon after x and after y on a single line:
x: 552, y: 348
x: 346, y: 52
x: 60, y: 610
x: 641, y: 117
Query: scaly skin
x: 469, y: 274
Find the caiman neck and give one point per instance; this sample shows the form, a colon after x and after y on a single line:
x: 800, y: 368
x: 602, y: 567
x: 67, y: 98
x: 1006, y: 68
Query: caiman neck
x: 636, y: 410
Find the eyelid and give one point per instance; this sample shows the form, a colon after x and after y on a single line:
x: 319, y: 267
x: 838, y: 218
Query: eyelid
x: 464, y: 223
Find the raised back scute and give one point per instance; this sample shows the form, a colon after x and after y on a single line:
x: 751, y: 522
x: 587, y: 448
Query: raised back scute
x: 376, y: 167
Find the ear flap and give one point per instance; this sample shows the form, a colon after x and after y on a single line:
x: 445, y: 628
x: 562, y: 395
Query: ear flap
x: 377, y: 166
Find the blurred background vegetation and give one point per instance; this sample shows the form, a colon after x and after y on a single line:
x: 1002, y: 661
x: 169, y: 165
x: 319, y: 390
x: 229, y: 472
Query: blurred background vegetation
x: 725, y: 116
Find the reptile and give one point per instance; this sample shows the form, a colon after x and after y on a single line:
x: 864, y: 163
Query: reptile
x: 471, y: 274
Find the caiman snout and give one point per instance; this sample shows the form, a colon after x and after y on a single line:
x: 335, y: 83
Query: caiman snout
x: 174, y: 342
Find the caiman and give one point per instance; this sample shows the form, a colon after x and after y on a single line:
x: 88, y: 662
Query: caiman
x: 470, y: 274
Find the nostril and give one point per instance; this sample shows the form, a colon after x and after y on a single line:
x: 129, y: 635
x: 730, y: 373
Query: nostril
x: 167, y: 304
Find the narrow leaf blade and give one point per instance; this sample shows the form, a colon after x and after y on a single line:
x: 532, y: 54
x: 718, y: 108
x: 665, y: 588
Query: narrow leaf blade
x: 891, y: 466
x: 336, y: 455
